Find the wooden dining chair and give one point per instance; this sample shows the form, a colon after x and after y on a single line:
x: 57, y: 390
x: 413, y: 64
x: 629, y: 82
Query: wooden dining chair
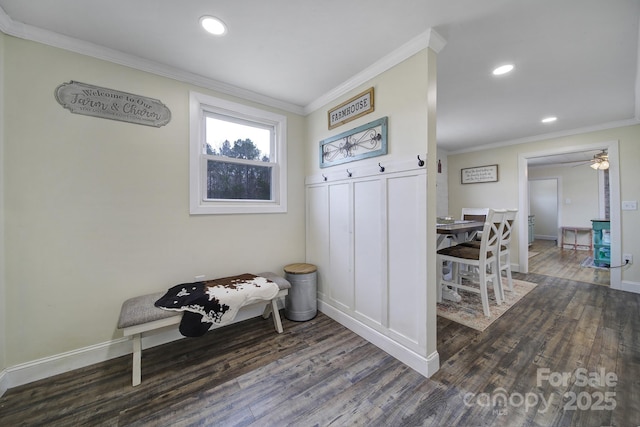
x: 504, y: 257
x: 475, y: 214
x: 482, y: 260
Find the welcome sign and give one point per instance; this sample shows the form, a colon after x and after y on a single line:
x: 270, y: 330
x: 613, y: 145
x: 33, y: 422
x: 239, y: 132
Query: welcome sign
x: 89, y: 100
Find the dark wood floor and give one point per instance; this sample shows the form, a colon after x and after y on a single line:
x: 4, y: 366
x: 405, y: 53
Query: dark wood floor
x: 550, y: 260
x: 319, y: 373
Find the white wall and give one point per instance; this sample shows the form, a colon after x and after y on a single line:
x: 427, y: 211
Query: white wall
x: 579, y: 190
x: 406, y: 95
x: 504, y: 193
x: 579, y: 195
x: 397, y: 97
x: 3, y: 299
x: 97, y: 211
x: 442, y: 184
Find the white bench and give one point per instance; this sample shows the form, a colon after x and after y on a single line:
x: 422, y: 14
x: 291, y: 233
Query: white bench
x: 139, y: 315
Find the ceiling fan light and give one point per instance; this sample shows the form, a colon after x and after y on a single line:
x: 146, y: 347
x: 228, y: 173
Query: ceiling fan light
x: 604, y: 165
x: 594, y: 166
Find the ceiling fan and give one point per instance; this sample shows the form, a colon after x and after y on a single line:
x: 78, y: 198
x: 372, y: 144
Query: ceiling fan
x: 600, y: 161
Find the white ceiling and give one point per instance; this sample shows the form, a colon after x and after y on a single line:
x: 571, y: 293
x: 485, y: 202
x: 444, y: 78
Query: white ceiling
x: 575, y: 59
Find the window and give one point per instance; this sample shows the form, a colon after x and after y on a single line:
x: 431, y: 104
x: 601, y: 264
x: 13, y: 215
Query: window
x: 237, y: 158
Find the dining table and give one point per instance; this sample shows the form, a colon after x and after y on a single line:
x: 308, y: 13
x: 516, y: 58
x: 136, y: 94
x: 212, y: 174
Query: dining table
x: 457, y: 231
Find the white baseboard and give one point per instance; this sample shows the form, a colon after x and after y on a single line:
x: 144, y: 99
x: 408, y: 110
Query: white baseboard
x: 4, y: 382
x: 629, y: 286
x: 46, y: 367
x: 426, y: 366
x: 35, y: 370
x: 544, y: 237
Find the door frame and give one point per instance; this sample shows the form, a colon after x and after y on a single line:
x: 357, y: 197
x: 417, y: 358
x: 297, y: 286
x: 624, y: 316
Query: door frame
x: 612, y: 148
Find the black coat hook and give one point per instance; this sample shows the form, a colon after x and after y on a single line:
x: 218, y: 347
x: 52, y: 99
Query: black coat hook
x: 381, y: 167
x: 324, y: 177
x: 349, y: 173
x: 420, y: 161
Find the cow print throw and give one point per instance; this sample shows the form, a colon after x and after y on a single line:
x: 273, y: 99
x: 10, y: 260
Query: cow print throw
x: 215, y: 301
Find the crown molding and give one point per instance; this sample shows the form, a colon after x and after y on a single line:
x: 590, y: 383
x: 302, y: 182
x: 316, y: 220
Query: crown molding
x: 428, y: 39
x: 50, y: 38
x: 5, y: 21
x: 436, y: 41
x: 546, y: 136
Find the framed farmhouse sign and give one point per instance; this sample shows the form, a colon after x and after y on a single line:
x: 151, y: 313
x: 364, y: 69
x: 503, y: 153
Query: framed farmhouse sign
x: 479, y: 174
x: 351, y: 109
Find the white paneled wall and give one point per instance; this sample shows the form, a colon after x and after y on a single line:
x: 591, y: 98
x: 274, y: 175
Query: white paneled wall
x: 317, y: 211
x: 340, y: 246
x: 406, y: 259
x: 367, y: 235
x: 369, y: 260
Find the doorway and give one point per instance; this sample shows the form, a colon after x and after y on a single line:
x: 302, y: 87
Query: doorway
x: 547, y: 207
x: 614, y: 197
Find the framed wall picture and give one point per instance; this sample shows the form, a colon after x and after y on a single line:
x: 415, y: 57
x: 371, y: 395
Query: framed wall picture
x: 479, y: 174
x: 365, y: 141
x: 351, y: 109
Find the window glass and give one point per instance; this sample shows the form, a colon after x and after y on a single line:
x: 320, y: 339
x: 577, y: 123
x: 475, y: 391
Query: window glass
x: 237, y: 158
x: 231, y: 138
x: 226, y: 137
x: 226, y: 180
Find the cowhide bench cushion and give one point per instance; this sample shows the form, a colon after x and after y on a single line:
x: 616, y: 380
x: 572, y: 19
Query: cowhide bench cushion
x: 139, y: 315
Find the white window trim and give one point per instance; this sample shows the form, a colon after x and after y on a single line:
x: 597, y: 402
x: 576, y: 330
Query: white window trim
x: 198, y: 205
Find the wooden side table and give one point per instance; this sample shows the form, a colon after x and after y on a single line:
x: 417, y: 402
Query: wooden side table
x: 576, y: 230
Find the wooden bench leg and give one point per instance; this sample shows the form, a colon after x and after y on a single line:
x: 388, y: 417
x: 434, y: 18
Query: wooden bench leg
x: 137, y: 360
x: 276, y: 316
x: 273, y: 308
x: 267, y: 311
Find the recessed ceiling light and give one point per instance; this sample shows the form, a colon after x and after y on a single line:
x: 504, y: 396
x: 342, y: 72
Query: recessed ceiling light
x: 503, y: 69
x: 549, y: 119
x: 213, y: 25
